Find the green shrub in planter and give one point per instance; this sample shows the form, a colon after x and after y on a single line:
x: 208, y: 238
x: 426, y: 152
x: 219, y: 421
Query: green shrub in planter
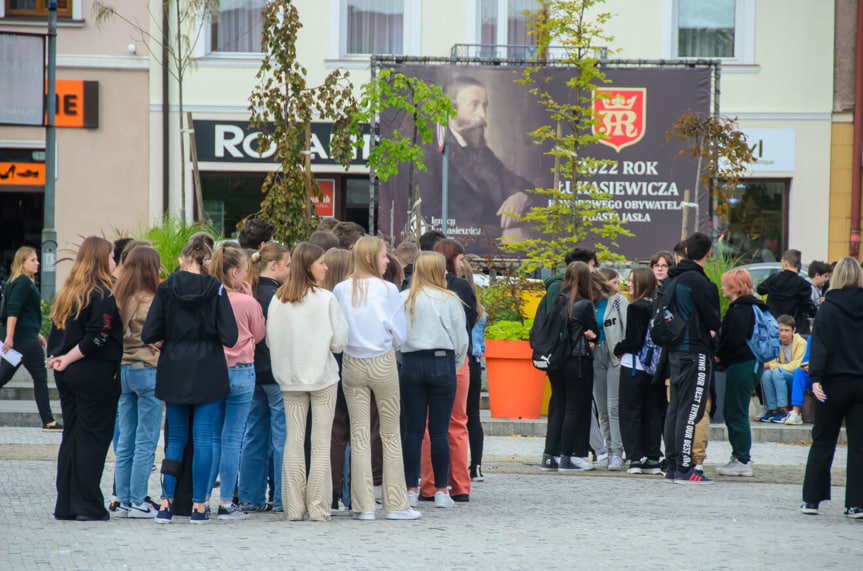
x: 509, y: 330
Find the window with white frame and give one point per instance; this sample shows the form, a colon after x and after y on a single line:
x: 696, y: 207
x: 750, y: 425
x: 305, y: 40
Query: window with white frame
x: 238, y: 26
x: 706, y: 28
x: 504, y: 23
x: 373, y: 26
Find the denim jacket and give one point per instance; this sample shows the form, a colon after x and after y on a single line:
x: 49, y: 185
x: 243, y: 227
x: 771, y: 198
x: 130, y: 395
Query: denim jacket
x: 478, y: 338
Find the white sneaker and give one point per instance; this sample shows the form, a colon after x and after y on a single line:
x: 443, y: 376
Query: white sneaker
x: 413, y: 498
x: 616, y: 464
x: 602, y: 460
x: 794, y: 418
x: 736, y: 468
x: 443, y: 500
x: 409, y: 513
x: 122, y: 511
x: 366, y: 516
x: 582, y: 463
x: 141, y: 511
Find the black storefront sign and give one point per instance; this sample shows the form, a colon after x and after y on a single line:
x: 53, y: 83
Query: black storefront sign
x: 237, y: 142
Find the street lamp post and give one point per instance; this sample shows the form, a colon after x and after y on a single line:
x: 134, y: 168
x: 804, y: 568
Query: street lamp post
x: 49, y: 232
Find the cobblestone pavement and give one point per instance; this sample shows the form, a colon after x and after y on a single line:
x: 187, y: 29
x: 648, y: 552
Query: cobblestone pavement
x: 517, y: 519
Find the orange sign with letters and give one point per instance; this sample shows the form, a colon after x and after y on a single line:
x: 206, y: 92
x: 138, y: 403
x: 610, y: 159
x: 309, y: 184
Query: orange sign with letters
x: 77, y: 103
x: 326, y: 206
x: 22, y: 174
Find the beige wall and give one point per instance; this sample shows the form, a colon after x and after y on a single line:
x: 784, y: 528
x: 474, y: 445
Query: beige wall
x: 841, y: 142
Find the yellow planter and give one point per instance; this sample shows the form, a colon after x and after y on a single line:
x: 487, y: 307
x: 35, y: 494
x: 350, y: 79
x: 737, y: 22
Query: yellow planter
x: 528, y: 302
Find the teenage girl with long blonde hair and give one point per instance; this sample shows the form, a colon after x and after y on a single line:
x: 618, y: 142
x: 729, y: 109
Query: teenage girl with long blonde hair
x: 376, y: 324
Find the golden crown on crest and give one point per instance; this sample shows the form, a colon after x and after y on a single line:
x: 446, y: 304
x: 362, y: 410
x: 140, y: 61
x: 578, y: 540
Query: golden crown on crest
x: 619, y: 102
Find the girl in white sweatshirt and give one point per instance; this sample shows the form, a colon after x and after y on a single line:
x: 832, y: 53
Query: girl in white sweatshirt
x: 376, y: 326
x: 305, y: 326
x: 436, y: 341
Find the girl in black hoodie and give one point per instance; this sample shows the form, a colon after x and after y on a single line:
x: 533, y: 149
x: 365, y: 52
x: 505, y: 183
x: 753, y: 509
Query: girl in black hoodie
x: 641, y: 400
x: 193, y: 318
x: 741, y: 370
x: 836, y: 369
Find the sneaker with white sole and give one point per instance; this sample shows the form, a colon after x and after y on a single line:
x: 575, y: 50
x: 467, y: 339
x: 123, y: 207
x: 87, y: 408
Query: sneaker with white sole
x: 602, y: 460
x: 413, y: 498
x: 616, y: 464
x: 574, y: 464
x: 549, y: 463
x: 409, y: 513
x: 141, y: 511
x: 231, y: 512
x: 121, y: 511
x: 794, y: 417
x: 736, y: 468
x: 476, y: 474
x: 199, y: 518
x: 364, y: 516
x: 165, y: 515
x: 443, y: 500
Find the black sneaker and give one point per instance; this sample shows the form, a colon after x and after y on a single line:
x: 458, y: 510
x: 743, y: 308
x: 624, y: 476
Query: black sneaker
x: 115, y: 503
x: 549, y: 464
x: 165, y: 515
x: 854, y: 513
x: 52, y: 426
x: 199, y: 518
x: 651, y: 467
x: 809, y: 509
x: 634, y: 467
x: 231, y: 512
x: 476, y: 474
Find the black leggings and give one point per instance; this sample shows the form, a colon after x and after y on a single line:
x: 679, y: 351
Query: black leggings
x: 569, y: 420
x: 474, y: 425
x: 33, y: 359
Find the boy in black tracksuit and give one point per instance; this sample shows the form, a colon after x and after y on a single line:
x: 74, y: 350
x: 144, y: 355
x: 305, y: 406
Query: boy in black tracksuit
x: 691, y: 360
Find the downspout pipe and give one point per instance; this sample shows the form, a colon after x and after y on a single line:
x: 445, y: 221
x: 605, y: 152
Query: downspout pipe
x: 857, y: 161
x: 166, y: 99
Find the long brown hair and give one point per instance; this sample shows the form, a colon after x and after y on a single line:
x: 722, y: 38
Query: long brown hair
x: 429, y: 272
x: 366, y: 251
x: 21, y: 255
x: 140, y: 275
x: 451, y: 250
x: 226, y: 258
x: 340, y: 264
x: 300, y: 280
x: 576, y: 284
x: 643, y: 283
x: 90, y: 270
x: 467, y: 270
x: 258, y: 261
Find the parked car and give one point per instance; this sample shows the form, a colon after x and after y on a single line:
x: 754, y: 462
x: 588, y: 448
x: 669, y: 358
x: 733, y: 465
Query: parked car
x: 764, y: 270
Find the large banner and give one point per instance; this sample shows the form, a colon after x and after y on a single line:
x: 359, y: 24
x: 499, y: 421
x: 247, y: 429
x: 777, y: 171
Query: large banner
x: 493, y: 160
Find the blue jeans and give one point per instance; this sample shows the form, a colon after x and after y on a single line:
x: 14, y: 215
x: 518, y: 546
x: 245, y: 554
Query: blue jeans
x: 227, y: 443
x: 263, y: 446
x: 203, y: 430
x: 139, y: 413
x: 427, y: 381
x: 776, y: 384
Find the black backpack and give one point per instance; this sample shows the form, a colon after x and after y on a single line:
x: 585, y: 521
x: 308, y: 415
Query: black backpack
x: 549, y: 335
x: 666, y: 327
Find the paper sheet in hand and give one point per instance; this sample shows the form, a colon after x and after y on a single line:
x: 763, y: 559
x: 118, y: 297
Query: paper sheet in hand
x: 12, y: 356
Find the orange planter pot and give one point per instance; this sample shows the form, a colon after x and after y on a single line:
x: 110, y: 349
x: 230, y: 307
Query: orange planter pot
x: 515, y: 388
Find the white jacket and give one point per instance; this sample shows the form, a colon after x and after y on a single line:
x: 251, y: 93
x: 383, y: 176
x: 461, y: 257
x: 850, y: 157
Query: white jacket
x: 302, y: 338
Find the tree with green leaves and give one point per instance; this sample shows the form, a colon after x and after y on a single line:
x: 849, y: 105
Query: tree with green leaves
x: 564, y: 220
x: 722, y: 150
x: 283, y: 106
x: 422, y: 104
x: 177, y: 33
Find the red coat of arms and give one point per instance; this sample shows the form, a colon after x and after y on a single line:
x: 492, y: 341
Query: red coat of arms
x: 621, y: 113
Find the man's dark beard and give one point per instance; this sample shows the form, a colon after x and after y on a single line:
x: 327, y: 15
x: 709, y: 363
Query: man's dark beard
x: 474, y: 135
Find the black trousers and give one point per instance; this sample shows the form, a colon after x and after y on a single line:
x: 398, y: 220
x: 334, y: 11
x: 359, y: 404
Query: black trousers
x: 475, y: 434
x: 89, y: 391
x: 691, y: 375
x: 641, y: 406
x: 33, y: 359
x: 569, y: 420
x: 844, y: 402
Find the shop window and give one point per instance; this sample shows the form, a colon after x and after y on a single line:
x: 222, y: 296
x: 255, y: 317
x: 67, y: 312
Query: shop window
x: 504, y: 23
x: 756, y: 220
x: 230, y: 197
x: 373, y: 26
x: 238, y: 27
x: 38, y: 8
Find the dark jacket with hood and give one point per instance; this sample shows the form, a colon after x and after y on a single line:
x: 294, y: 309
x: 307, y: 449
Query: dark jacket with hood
x: 192, y: 315
x: 697, y: 301
x: 736, y: 330
x: 789, y: 294
x: 97, y: 330
x: 834, y: 354
x: 637, y: 319
x: 263, y: 369
x: 583, y: 319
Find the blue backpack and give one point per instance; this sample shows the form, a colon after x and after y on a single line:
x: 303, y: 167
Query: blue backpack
x: 764, y: 341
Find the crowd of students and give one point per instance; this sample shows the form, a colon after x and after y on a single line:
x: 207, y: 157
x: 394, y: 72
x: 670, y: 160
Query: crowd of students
x: 646, y: 394
x: 270, y: 362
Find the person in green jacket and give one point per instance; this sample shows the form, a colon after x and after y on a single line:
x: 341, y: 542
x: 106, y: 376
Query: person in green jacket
x: 21, y: 318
